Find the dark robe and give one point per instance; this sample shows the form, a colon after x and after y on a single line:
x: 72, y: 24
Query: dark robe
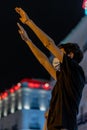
x: 66, y: 96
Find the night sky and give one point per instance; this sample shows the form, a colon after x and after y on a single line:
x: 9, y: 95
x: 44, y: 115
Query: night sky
x: 56, y: 17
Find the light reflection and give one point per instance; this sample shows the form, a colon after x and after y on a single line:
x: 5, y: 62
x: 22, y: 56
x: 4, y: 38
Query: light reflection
x: 5, y: 113
x: 19, y: 106
x: 12, y: 108
x: 42, y: 108
x: 26, y: 106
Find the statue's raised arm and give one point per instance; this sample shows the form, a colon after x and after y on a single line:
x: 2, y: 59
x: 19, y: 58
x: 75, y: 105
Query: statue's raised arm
x: 44, y: 38
x: 40, y: 56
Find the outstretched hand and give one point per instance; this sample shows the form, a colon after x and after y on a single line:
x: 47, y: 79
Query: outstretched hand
x: 23, y: 33
x: 24, y: 17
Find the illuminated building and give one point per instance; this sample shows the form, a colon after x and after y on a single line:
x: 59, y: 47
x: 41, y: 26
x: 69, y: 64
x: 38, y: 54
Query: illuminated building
x: 22, y: 107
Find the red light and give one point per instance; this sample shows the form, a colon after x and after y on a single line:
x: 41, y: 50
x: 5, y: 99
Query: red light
x: 12, y: 90
x: 33, y: 85
x: 31, y: 81
x: 46, y: 86
x: 16, y: 87
x: 4, y: 95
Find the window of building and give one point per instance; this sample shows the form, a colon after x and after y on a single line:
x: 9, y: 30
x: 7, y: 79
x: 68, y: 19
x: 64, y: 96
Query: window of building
x: 34, y: 103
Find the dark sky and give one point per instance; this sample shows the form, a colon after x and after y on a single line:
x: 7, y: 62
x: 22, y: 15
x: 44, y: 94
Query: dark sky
x: 55, y: 17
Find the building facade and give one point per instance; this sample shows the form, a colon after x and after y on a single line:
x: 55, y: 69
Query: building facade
x: 22, y: 107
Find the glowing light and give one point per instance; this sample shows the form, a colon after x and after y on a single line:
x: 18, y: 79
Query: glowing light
x: 12, y: 109
x: 34, y: 85
x: 26, y: 106
x: 46, y: 86
x: 19, y: 84
x: 16, y: 87
x: 19, y: 106
x: 42, y: 108
x: 4, y: 95
x: 5, y: 113
x: 12, y: 90
x: 85, y: 11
